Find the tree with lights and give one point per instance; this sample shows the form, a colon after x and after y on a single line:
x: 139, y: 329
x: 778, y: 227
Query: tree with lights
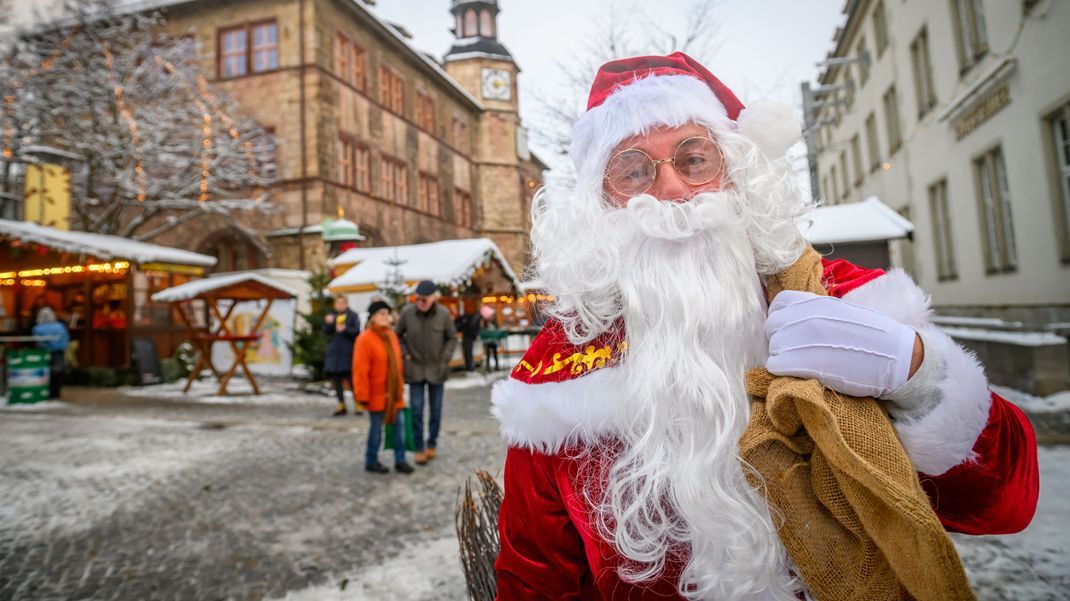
x: 393, y: 286
x: 159, y: 146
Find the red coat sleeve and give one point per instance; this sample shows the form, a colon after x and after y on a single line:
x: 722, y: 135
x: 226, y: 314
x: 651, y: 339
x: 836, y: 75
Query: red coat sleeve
x: 996, y: 493
x: 542, y: 554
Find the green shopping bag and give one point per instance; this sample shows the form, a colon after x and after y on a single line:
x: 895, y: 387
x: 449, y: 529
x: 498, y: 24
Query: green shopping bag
x: 405, y: 416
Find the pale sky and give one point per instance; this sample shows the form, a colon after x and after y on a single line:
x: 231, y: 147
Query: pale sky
x: 766, y: 47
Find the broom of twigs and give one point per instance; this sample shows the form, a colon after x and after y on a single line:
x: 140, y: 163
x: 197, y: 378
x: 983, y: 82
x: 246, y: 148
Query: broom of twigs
x: 477, y: 533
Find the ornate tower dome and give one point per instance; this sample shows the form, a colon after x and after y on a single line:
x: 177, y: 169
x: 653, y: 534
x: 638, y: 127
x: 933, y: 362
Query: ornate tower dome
x: 476, y: 31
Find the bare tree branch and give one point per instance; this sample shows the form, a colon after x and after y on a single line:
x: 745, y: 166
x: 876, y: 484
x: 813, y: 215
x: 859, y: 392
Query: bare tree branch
x: 161, y: 145
x: 619, y: 29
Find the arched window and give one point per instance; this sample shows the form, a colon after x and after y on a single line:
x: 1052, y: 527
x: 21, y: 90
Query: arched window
x: 486, y: 24
x: 233, y: 250
x: 458, y: 28
x: 470, y: 24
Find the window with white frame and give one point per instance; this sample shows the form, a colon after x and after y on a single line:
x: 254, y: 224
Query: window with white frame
x: 843, y: 175
x: 880, y: 28
x: 856, y: 159
x: 1059, y: 126
x: 970, y: 33
x: 872, y: 142
x: 891, y: 120
x: 863, y: 68
x: 942, y: 240
x: 923, y: 73
x: 997, y: 223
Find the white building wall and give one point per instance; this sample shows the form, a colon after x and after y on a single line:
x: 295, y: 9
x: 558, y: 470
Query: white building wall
x: 1038, y: 85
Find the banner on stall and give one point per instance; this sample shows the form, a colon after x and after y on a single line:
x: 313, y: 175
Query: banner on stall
x: 270, y: 354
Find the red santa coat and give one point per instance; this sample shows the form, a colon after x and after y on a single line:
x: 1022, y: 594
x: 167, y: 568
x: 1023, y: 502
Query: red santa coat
x: 975, y: 453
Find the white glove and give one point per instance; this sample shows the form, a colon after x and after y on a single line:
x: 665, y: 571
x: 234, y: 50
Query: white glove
x: 849, y: 348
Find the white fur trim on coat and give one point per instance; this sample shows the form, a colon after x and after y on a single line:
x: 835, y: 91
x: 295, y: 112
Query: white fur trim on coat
x: 944, y: 437
x: 666, y: 100
x: 548, y: 417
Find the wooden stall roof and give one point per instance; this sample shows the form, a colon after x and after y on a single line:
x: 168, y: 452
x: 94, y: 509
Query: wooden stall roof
x: 101, y: 246
x: 449, y: 263
x: 233, y: 286
x: 866, y: 221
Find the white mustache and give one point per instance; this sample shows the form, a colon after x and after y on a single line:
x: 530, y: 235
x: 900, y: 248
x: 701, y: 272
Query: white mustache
x: 669, y: 220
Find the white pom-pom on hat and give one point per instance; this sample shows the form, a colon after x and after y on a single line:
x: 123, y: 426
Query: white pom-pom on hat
x: 772, y: 127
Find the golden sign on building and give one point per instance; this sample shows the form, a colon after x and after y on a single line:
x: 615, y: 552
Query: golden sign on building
x: 47, y: 198
x: 982, y: 111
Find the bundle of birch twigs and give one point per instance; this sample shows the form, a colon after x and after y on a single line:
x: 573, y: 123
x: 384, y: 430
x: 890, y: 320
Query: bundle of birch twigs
x: 477, y: 533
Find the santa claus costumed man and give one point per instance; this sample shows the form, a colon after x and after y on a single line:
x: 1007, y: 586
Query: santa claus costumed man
x: 623, y: 478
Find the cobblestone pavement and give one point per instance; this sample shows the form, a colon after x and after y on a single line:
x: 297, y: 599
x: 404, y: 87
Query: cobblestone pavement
x: 118, y: 498
x: 111, y: 496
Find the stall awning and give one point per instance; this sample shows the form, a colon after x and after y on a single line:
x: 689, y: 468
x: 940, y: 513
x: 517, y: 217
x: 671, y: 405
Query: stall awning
x: 233, y: 286
x: 867, y: 221
x: 101, y: 246
x: 450, y: 263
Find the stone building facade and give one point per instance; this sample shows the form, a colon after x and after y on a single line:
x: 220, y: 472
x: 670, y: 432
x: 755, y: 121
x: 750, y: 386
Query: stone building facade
x: 366, y: 126
x: 959, y: 121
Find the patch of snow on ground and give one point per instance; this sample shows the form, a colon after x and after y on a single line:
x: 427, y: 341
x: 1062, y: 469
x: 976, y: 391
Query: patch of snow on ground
x: 31, y: 406
x: 1034, y: 564
x: 1056, y: 403
x: 238, y: 392
x: 474, y: 379
x: 426, y: 570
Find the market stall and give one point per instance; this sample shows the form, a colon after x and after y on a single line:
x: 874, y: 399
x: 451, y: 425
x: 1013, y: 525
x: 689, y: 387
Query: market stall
x: 100, y: 286
x: 220, y: 296
x: 465, y: 270
x: 859, y: 232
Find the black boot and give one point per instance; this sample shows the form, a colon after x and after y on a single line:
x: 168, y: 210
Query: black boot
x: 376, y: 468
x: 403, y: 468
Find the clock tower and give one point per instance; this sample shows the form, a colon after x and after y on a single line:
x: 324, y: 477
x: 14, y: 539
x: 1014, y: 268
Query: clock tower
x: 503, y: 163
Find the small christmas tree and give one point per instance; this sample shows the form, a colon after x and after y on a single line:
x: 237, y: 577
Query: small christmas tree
x: 393, y: 288
x: 310, y: 345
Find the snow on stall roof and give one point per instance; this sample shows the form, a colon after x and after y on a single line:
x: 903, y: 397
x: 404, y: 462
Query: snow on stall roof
x: 1016, y: 338
x: 100, y: 245
x: 447, y: 263
x: 866, y: 221
x: 195, y: 287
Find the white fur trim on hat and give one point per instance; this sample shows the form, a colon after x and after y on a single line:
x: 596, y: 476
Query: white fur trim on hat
x: 666, y: 100
x: 772, y: 127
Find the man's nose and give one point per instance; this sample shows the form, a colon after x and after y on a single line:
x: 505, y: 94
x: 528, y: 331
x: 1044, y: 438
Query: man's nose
x: 668, y: 185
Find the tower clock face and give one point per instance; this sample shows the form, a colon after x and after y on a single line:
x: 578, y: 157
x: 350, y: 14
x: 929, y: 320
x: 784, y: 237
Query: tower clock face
x: 496, y: 85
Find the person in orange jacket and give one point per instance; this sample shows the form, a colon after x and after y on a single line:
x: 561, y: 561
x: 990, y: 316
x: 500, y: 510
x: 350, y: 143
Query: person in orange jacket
x: 378, y: 382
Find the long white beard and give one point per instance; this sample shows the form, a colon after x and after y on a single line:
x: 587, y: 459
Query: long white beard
x: 694, y: 316
x: 684, y: 278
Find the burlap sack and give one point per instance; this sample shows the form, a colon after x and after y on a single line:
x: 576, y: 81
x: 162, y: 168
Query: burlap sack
x: 844, y: 494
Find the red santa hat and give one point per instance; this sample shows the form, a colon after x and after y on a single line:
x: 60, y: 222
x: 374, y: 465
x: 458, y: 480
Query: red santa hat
x: 632, y: 95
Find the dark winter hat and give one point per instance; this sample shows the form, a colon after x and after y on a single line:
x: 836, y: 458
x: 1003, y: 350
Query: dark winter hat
x: 377, y: 306
x: 425, y: 288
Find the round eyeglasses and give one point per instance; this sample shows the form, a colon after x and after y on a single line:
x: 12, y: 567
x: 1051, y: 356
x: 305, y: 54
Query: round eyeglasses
x: 697, y: 160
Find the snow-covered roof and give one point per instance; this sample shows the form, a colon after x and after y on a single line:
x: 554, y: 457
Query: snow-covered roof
x: 867, y: 221
x: 101, y: 246
x: 194, y: 288
x: 447, y: 263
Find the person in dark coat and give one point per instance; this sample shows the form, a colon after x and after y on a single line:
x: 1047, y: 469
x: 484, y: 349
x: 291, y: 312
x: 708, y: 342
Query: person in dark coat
x: 428, y: 339
x: 468, y: 324
x: 342, y: 325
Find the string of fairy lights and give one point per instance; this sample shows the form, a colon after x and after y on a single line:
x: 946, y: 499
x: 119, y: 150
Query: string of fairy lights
x: 205, y: 101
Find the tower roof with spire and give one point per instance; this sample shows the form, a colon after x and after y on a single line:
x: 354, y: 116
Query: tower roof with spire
x: 476, y: 31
